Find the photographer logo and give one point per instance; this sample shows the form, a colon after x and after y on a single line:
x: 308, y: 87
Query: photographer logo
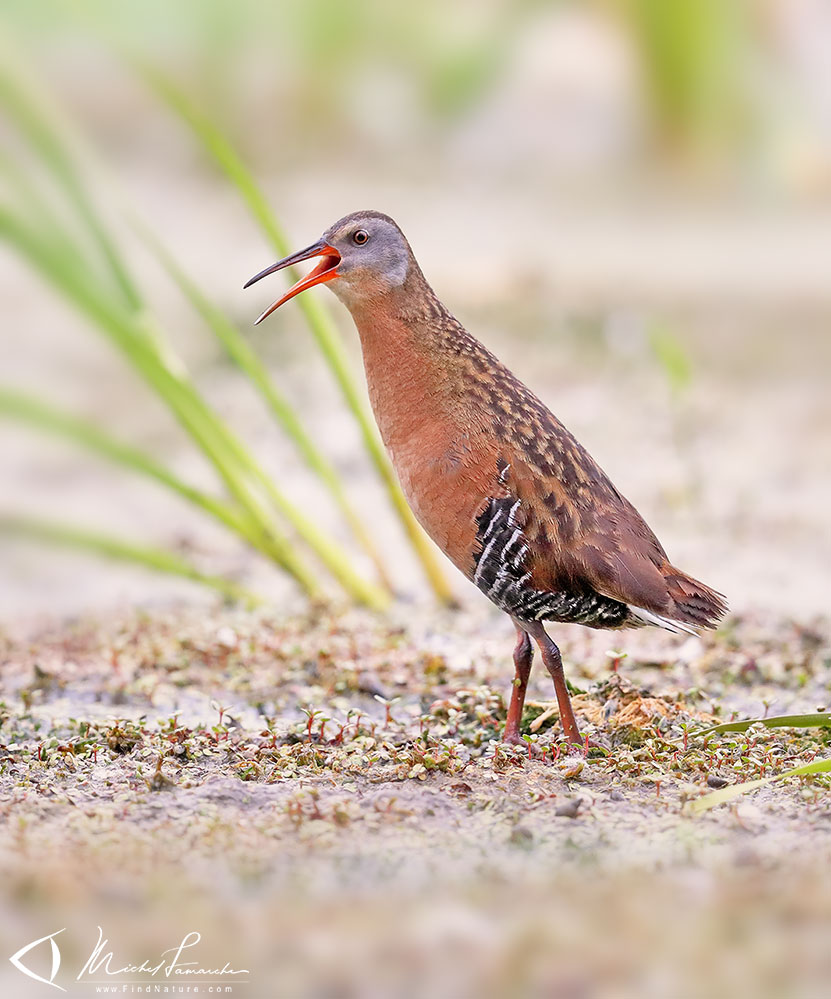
x: 16, y: 960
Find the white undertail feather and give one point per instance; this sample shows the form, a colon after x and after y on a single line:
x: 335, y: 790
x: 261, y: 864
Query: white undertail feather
x: 662, y: 622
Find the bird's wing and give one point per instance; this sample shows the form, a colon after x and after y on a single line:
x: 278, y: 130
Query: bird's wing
x: 584, y: 534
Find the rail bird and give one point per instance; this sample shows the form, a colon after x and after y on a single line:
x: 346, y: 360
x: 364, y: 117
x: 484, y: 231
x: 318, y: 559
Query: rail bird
x: 500, y: 485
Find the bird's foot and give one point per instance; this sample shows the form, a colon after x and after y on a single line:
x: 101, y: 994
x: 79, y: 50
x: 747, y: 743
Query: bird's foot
x: 571, y: 733
x: 512, y: 737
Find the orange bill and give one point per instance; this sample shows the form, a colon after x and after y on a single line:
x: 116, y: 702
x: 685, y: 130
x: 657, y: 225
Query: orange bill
x: 322, y: 272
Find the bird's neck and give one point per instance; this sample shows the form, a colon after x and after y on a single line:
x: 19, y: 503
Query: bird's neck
x: 410, y: 359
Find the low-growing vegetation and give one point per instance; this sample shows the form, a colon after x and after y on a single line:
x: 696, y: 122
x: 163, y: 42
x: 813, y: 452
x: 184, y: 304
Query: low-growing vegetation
x: 335, y: 772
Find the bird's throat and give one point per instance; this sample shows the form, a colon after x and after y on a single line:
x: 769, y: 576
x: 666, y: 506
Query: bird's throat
x: 406, y: 377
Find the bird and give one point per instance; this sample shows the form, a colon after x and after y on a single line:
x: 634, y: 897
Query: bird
x: 494, y: 478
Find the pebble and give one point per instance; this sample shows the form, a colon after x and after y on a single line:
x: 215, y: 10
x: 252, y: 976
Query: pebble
x: 569, y: 809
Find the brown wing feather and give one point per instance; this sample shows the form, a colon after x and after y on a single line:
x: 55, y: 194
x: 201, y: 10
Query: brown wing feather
x: 586, y: 536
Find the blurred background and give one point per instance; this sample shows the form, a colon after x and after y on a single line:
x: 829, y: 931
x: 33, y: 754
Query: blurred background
x: 628, y: 201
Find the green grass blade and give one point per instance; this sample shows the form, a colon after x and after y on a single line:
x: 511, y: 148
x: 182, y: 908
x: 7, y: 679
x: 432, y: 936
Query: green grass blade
x: 37, y: 414
x: 213, y: 433
x: 708, y: 801
x: 817, y: 719
x: 25, y: 193
x: 45, y: 131
x: 241, y: 352
x: 316, y: 316
x: 331, y: 554
x: 124, y: 551
x: 673, y: 359
x: 196, y: 418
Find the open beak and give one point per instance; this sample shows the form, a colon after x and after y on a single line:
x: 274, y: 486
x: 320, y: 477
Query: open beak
x: 324, y: 271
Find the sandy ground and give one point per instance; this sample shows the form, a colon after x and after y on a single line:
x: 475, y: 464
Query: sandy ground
x: 163, y: 774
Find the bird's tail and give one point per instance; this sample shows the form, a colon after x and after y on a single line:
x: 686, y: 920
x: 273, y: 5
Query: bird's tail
x: 695, y: 604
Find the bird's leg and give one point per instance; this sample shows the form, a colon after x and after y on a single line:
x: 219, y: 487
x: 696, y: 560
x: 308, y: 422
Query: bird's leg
x: 554, y: 664
x: 523, y: 655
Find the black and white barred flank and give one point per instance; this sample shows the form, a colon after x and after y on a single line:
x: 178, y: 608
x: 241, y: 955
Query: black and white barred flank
x: 501, y: 575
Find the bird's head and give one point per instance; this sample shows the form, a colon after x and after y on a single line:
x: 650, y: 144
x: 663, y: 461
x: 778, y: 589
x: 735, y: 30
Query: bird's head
x: 362, y: 256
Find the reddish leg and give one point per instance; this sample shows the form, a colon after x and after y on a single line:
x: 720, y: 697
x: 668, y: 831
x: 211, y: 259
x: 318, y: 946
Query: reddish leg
x: 523, y: 655
x: 554, y: 664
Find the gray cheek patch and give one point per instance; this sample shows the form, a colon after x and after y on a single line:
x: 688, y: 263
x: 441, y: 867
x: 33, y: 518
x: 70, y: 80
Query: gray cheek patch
x: 391, y: 269
x: 397, y: 270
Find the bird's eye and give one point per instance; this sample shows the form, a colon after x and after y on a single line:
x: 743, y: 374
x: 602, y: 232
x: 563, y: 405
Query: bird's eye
x: 360, y: 237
